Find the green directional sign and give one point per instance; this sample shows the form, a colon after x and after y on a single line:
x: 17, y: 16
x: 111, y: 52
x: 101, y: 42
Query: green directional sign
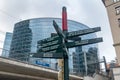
x: 57, y: 50
x: 69, y: 34
x: 59, y: 55
x: 49, y: 39
x: 58, y: 30
x: 82, y: 32
x: 58, y: 41
x: 71, y: 44
x: 83, y: 42
x: 50, y: 48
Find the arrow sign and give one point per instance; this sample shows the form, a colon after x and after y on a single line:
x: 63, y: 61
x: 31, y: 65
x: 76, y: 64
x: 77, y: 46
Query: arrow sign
x: 48, y: 39
x: 57, y: 41
x: 83, y: 42
x: 58, y: 30
x: 69, y: 34
x: 50, y: 48
x: 82, y: 32
x: 48, y: 55
x: 71, y: 44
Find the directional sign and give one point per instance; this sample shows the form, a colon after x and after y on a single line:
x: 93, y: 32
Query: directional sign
x: 82, y: 32
x: 48, y: 39
x: 58, y: 30
x: 57, y: 50
x: 50, y: 48
x: 38, y: 62
x: 49, y: 55
x: 71, y: 44
x: 59, y: 41
x: 69, y: 34
x: 83, y: 42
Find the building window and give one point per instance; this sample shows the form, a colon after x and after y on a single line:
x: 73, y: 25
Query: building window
x: 117, y: 9
x: 116, y: 0
x: 119, y: 22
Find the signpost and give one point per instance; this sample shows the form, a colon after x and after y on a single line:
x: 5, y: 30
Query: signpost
x: 57, y: 46
x: 51, y: 43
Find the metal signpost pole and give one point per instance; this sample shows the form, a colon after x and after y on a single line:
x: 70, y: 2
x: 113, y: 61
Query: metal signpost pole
x: 65, y: 30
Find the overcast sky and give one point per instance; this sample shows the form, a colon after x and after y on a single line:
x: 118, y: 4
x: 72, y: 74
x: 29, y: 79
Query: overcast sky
x: 89, y: 12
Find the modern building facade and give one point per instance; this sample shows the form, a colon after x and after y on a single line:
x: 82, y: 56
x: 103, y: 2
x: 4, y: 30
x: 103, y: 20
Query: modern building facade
x: 113, y: 10
x: 85, y: 62
x: 7, y: 43
x: 27, y: 33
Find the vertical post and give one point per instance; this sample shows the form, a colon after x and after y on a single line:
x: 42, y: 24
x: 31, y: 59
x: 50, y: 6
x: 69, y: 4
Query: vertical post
x: 65, y: 30
x: 64, y: 19
x: 66, y: 69
x: 105, y: 65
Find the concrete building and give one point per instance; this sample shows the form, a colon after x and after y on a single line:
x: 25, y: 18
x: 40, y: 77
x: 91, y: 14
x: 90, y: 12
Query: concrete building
x: 7, y: 43
x: 113, y: 10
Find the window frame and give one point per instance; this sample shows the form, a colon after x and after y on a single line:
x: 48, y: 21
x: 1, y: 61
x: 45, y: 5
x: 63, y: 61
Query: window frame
x: 119, y: 22
x: 117, y: 10
x: 115, y: 1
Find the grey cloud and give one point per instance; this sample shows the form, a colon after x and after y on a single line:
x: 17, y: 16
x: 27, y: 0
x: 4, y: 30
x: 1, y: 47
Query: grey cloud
x: 39, y: 7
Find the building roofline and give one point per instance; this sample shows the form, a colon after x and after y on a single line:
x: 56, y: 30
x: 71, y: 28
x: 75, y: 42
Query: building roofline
x: 54, y: 18
x: 103, y: 2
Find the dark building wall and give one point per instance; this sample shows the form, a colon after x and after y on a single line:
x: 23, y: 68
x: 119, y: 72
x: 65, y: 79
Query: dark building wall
x: 21, y: 41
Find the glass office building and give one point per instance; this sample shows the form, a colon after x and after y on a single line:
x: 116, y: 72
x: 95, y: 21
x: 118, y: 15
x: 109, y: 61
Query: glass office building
x: 7, y: 43
x: 28, y: 32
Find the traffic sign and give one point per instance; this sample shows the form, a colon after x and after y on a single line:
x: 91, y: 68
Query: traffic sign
x: 59, y: 55
x: 83, y: 42
x: 82, y: 32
